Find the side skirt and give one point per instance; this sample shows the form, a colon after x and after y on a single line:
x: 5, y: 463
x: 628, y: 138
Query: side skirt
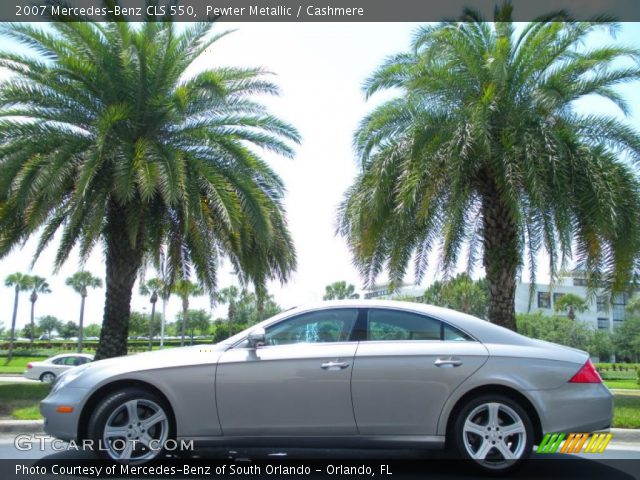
x: 427, y: 442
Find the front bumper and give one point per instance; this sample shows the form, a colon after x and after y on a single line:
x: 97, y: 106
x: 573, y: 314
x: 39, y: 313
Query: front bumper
x: 63, y: 425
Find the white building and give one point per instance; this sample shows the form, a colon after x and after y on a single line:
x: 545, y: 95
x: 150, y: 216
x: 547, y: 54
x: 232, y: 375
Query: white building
x: 600, y: 314
x: 383, y: 292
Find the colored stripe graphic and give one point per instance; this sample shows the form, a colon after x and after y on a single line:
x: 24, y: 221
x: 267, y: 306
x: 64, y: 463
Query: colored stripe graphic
x: 550, y: 443
x: 574, y: 443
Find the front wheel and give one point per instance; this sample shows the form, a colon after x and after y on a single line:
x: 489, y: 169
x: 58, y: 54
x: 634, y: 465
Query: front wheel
x: 494, y: 432
x: 131, y: 426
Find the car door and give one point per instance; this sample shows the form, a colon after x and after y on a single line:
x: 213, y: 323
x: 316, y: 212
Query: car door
x: 59, y: 365
x: 406, y: 368
x: 296, y: 384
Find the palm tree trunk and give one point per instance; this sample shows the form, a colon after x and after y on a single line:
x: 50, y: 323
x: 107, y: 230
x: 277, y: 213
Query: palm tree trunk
x: 501, y: 257
x: 185, y: 309
x: 13, y: 324
x: 81, y: 326
x: 33, y: 325
x: 123, y: 263
x: 164, y: 319
x: 153, y: 314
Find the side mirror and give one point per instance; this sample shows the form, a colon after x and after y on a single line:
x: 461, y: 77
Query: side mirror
x: 257, y: 337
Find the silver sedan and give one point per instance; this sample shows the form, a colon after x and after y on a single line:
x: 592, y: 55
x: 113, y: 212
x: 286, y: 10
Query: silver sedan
x: 339, y: 374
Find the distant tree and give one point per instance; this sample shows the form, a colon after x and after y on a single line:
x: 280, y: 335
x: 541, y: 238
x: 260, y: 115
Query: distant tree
x: 184, y: 289
x: 48, y: 324
x: 152, y: 288
x: 633, y: 307
x: 30, y: 331
x: 601, y: 345
x: 20, y: 283
x: 92, y: 330
x: 230, y: 297
x: 37, y: 285
x: 338, y: 291
x: 460, y: 293
x: 198, y: 320
x: 1, y: 330
x: 571, y: 304
x: 560, y: 330
x: 247, y: 308
x: 404, y: 298
x: 80, y: 281
x: 626, y: 339
x: 68, y: 330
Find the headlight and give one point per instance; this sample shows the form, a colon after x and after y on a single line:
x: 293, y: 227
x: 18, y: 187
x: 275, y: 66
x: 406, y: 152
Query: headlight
x: 65, y: 377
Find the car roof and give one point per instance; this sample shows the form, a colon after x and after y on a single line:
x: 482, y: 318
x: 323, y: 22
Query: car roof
x: 62, y: 355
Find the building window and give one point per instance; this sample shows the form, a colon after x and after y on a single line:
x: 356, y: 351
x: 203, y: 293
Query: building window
x: 556, y: 297
x: 601, y: 303
x: 580, y: 282
x: 603, y: 323
x: 619, y: 307
x: 544, y: 300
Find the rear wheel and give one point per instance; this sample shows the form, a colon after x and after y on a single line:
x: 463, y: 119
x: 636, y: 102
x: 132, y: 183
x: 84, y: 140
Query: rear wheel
x: 131, y: 426
x: 48, y: 377
x: 494, y: 432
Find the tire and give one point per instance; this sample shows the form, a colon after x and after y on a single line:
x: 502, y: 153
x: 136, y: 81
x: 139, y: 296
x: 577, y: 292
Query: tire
x: 130, y: 426
x: 48, y: 377
x: 479, y: 434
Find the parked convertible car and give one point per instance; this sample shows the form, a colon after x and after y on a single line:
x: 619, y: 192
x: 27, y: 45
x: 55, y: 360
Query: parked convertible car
x: 339, y: 374
x: 47, y: 370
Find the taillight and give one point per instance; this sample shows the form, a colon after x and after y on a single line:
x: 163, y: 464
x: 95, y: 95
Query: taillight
x: 587, y: 374
x: 29, y: 365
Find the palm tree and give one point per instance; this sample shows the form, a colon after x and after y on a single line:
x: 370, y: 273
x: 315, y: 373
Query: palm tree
x: 37, y: 285
x: 338, y: 291
x: 184, y: 289
x: 151, y: 287
x: 484, y: 152
x: 115, y: 140
x: 21, y: 283
x: 230, y: 296
x: 571, y: 304
x: 80, y: 281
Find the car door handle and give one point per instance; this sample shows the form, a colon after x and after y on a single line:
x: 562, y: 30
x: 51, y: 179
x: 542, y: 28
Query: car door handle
x: 447, y: 362
x: 334, y: 365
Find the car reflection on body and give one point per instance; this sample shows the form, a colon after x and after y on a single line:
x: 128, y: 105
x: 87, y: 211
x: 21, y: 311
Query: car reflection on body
x: 339, y: 374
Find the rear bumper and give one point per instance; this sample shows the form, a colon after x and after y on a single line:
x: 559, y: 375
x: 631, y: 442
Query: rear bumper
x: 575, y: 407
x: 63, y: 425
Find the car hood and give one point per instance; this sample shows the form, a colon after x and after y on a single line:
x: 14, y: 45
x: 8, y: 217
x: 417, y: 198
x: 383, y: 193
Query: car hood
x: 172, y: 357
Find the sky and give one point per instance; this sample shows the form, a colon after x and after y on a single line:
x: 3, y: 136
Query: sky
x: 320, y: 68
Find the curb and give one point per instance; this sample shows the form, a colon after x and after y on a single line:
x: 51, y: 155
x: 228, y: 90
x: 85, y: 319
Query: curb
x: 21, y: 426
x: 624, y: 434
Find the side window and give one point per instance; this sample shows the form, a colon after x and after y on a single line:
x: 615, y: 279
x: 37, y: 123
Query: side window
x: 315, y: 327
x: 398, y: 325
x: 452, y: 334
x: 60, y: 361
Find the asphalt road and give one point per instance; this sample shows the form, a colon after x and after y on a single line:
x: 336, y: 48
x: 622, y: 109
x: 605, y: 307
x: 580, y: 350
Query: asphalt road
x: 620, y: 461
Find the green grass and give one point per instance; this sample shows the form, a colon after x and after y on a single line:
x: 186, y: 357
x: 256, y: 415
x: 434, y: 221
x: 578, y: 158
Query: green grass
x: 626, y: 411
x: 626, y: 384
x: 27, y: 413
x: 17, y: 364
x: 21, y: 396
